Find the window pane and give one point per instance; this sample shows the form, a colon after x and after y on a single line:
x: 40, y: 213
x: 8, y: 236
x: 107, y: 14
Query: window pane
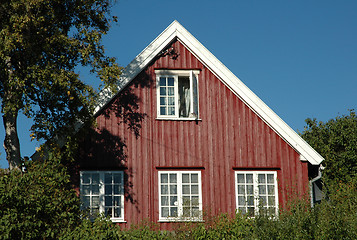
x: 170, y: 91
x: 195, y: 201
x: 173, y: 189
x: 86, y: 189
x: 250, y: 200
x: 249, y: 178
x: 262, y: 200
x: 270, y: 178
x: 241, y: 189
x: 185, y: 189
x: 108, y: 189
x: 86, y: 178
x: 165, y: 211
x: 173, y: 201
x: 170, y: 81
x: 117, y: 212
x: 261, y: 178
x: 95, y: 201
x: 186, y: 178
x: 171, y: 101
x: 186, y: 201
x: 250, y: 189
x: 162, y: 100
x: 195, y: 212
x: 117, y: 178
x: 162, y: 110
x: 242, y: 210
x: 271, y: 201
x: 108, y: 212
x: 108, y: 201
x: 262, y: 189
x: 164, y: 189
x: 162, y: 91
x: 165, y: 201
x: 117, y: 189
x: 173, y: 212
x: 164, y: 178
x: 95, y: 178
x: 108, y: 178
x: 194, y: 189
x: 162, y: 81
x: 271, y: 189
x: 173, y: 178
x: 241, y: 201
x: 194, y: 178
x: 240, y: 178
x: 272, y: 210
x: 85, y: 202
x: 251, y: 211
x: 186, y: 211
x: 95, y: 189
x: 117, y: 201
x: 171, y: 111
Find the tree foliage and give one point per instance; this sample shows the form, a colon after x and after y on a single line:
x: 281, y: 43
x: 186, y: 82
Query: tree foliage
x: 38, y: 204
x: 41, y: 44
x: 336, y: 141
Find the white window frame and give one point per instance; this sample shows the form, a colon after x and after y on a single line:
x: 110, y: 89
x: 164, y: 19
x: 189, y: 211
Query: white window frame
x: 102, y: 191
x: 179, y: 204
x: 257, y: 202
x: 194, y: 98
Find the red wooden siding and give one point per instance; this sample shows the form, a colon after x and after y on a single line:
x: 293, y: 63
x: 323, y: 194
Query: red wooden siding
x: 229, y: 137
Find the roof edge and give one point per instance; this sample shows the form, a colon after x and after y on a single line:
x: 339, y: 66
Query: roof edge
x: 175, y: 29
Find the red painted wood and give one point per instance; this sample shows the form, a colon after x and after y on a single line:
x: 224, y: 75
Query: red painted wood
x: 229, y: 136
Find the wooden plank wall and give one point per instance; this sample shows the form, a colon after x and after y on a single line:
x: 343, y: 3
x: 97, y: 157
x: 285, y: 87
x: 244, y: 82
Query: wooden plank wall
x: 229, y: 136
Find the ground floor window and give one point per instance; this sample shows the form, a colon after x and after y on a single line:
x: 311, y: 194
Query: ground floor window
x: 256, y: 191
x: 180, y: 195
x: 103, y: 192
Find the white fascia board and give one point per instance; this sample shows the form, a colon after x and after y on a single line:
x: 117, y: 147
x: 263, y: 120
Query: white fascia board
x: 138, y: 64
x: 307, y: 153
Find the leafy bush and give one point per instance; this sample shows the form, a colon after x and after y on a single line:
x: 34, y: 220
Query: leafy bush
x: 38, y: 204
x: 223, y: 226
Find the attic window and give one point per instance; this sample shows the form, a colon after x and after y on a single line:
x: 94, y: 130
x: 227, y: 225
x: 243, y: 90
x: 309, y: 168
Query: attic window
x: 177, y: 94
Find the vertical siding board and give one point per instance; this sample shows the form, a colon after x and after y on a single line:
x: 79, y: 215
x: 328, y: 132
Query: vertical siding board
x: 231, y: 151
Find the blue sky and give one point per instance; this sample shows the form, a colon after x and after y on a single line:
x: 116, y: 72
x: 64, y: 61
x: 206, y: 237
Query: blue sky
x: 299, y: 57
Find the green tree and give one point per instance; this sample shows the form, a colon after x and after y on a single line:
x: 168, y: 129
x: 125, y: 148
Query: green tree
x: 41, y: 44
x: 336, y: 141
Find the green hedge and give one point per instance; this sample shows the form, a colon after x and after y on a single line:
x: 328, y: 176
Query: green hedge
x: 41, y: 204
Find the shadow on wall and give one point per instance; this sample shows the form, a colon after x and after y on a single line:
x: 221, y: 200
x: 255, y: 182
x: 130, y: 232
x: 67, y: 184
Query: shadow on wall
x: 102, y: 148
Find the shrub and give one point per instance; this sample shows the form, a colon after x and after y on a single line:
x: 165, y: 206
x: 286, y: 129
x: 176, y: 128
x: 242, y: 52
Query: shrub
x: 38, y: 204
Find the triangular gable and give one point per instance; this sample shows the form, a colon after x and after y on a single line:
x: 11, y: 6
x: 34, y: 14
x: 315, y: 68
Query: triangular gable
x: 176, y: 30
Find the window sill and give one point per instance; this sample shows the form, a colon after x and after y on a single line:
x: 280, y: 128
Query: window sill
x: 180, y: 220
x: 178, y: 119
x: 118, y: 221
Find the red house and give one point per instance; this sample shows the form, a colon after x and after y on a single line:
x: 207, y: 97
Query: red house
x: 205, y: 142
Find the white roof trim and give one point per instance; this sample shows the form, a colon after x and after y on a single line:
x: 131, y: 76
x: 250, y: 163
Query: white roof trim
x: 307, y: 153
